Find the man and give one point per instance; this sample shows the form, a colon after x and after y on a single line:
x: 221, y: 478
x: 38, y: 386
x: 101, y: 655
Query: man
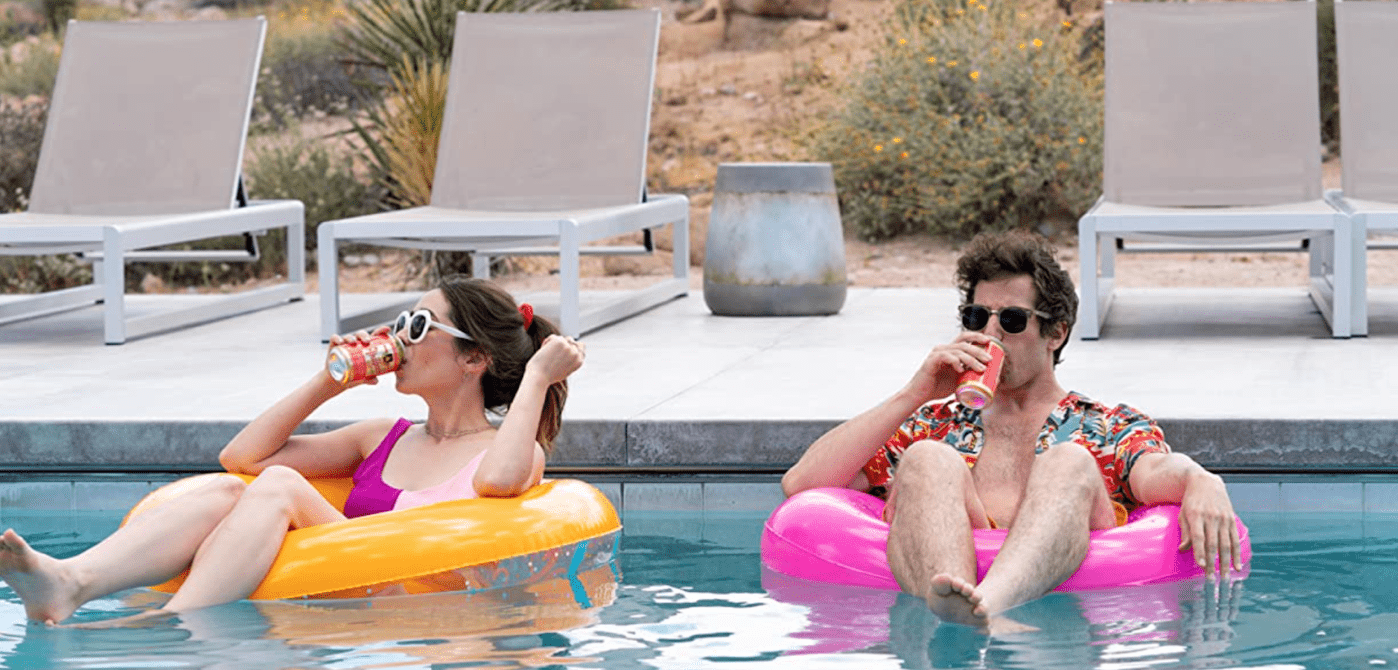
x: 1045, y: 463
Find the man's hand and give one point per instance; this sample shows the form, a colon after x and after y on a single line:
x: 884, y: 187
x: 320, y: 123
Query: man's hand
x: 936, y: 377
x: 1207, y: 524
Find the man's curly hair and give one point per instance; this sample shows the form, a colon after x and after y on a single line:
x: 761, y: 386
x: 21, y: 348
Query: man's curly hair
x: 992, y: 256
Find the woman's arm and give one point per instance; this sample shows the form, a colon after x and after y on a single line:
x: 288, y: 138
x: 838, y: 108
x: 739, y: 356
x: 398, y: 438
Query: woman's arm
x: 267, y: 440
x: 515, y: 461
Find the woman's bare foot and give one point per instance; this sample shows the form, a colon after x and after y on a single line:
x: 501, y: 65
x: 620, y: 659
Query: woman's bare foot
x: 146, y: 619
x: 49, y: 592
x: 955, y: 600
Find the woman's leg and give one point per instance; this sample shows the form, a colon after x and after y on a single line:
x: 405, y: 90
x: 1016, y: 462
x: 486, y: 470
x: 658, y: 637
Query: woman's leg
x: 151, y: 548
x: 239, y: 552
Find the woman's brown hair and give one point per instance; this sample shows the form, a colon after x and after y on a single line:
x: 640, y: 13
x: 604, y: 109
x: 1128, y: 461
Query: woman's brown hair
x: 490, y: 316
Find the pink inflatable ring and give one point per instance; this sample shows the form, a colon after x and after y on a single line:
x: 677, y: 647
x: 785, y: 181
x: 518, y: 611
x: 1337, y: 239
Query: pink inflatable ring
x: 839, y: 536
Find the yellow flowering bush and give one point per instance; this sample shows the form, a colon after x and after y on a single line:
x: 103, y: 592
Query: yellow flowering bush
x: 975, y: 115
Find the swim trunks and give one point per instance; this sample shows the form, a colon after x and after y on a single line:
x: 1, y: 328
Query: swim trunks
x: 1116, y: 436
x: 371, y: 495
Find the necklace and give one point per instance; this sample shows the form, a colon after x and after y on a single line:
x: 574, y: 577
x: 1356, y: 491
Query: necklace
x: 453, y: 433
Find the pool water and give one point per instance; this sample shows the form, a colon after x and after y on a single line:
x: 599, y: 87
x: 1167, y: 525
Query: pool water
x: 1322, y: 592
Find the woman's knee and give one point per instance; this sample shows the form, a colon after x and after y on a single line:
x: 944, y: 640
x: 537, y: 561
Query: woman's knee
x: 277, y: 483
x: 223, y: 491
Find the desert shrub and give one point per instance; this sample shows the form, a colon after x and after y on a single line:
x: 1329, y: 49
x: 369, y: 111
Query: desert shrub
x: 969, y: 117
x: 305, y: 70
x: 21, y: 134
x: 29, y: 67
x: 37, y: 274
x: 18, y: 22
x: 311, y: 171
x: 58, y: 12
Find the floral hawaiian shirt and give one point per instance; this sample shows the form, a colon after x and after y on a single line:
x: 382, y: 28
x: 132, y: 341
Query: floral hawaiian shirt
x: 1116, y: 436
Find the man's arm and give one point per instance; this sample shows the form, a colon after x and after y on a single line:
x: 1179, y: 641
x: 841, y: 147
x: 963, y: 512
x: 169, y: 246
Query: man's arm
x: 837, y: 458
x: 1207, y: 521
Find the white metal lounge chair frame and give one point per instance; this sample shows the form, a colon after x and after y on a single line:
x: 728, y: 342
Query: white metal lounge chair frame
x: 105, y: 198
x: 1366, y: 55
x: 487, y: 201
x: 1276, y: 194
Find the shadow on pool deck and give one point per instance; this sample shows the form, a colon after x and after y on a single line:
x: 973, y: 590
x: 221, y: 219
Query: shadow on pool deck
x: 1244, y: 380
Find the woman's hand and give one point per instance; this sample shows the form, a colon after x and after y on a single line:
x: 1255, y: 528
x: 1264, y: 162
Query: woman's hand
x: 936, y: 377
x: 558, y: 357
x: 358, y: 338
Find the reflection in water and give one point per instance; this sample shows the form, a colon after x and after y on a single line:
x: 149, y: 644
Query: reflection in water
x: 1314, y: 599
x: 514, y: 627
x: 1181, y: 622
x: 507, y: 626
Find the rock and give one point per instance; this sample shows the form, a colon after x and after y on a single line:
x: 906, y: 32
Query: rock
x: 775, y: 9
x: 152, y: 284
x: 22, y: 17
x: 707, y: 12
x: 655, y: 263
x: 785, y: 9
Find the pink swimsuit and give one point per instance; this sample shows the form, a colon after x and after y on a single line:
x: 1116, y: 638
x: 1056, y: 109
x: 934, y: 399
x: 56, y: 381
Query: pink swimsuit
x: 371, y: 495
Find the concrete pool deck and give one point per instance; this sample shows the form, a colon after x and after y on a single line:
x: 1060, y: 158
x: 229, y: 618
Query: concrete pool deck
x: 1244, y: 380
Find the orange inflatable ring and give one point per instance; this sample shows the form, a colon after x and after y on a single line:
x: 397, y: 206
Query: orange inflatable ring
x: 556, y: 529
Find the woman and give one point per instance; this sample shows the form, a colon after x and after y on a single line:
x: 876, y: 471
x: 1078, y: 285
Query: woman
x: 467, y: 348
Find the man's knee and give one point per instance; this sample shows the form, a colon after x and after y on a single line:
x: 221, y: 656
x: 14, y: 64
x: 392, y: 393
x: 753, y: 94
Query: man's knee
x: 1069, y: 462
x: 1070, y: 467
x: 929, y: 457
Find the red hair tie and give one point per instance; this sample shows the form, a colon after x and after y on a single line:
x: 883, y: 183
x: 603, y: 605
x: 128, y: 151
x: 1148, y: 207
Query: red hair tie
x: 527, y: 311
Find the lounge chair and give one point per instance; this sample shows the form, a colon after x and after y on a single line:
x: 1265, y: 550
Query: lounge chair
x: 543, y: 150
x: 1212, y: 138
x: 1367, y: 55
x: 143, y: 148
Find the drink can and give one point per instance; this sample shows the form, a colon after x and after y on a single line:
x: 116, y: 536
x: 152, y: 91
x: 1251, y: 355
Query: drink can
x: 352, y: 362
x: 977, y: 389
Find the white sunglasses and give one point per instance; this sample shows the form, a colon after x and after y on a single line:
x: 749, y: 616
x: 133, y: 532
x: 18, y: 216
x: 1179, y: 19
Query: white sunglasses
x: 413, y: 326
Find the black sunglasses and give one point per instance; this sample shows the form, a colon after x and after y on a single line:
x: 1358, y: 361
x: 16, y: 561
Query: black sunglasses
x: 1012, y: 319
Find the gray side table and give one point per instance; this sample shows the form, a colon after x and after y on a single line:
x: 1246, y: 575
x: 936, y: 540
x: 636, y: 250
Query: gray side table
x: 775, y: 245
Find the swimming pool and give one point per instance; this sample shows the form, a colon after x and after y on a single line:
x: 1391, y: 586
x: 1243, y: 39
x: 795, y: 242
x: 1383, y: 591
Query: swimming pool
x: 687, y: 591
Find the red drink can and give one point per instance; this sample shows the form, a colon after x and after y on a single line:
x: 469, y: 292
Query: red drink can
x: 977, y: 389
x: 352, y: 362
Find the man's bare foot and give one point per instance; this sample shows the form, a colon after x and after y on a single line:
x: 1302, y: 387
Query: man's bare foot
x: 48, y: 590
x: 955, y: 600
x: 1001, y: 625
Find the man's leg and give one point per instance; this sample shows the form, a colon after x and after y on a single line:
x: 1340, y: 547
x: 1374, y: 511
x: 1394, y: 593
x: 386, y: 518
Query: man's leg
x: 930, y: 549
x: 1065, y: 498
